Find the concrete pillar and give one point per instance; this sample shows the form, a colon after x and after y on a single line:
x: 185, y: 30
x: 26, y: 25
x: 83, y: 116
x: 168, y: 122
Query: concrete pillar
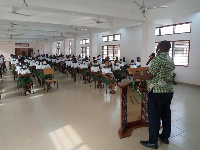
x: 66, y: 43
x: 77, y: 46
x: 93, y: 45
x: 148, y: 41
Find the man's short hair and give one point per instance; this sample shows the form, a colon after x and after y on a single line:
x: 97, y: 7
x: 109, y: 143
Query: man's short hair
x: 165, y: 45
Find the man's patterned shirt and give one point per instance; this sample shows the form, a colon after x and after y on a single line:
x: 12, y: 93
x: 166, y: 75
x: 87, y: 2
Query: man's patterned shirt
x: 162, y: 67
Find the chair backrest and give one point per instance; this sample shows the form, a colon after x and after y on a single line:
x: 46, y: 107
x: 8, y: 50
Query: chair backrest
x: 48, y: 71
x: 135, y: 70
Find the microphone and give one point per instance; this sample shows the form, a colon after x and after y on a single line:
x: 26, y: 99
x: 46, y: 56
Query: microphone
x: 150, y: 58
x: 149, y: 61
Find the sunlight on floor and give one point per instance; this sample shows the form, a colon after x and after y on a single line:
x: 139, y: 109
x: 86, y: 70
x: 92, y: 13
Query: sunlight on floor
x: 36, y: 96
x: 68, y: 138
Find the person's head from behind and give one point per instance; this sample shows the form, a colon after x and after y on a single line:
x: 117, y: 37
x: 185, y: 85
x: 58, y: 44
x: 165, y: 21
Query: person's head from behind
x: 138, y: 59
x: 163, y: 46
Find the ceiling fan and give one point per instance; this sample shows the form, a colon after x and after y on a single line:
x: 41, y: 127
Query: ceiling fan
x: 10, y: 30
x: 143, y: 6
x: 14, y: 11
x: 11, y: 36
x: 61, y: 36
x: 99, y: 22
x: 14, y: 24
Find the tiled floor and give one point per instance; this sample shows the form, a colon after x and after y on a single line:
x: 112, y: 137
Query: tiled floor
x: 79, y: 117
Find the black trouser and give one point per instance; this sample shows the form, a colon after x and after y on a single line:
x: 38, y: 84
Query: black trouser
x: 159, y: 109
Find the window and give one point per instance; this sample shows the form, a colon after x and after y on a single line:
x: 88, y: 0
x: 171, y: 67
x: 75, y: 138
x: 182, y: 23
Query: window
x: 111, y: 51
x: 183, y: 28
x: 166, y: 30
x: 70, y: 43
x: 85, y: 41
x: 117, y: 37
x: 174, y: 29
x: 179, y: 52
x: 70, y: 51
x: 104, y: 38
x: 85, y: 52
x: 157, y: 31
x: 110, y: 38
x: 114, y: 37
x: 58, y: 51
x: 58, y: 45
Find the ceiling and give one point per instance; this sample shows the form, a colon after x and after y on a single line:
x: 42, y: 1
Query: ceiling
x: 44, y: 21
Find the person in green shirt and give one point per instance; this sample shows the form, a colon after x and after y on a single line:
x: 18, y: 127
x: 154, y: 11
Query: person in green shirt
x: 160, y: 88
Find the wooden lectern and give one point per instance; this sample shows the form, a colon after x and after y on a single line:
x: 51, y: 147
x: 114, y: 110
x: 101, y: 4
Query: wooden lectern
x: 133, y: 113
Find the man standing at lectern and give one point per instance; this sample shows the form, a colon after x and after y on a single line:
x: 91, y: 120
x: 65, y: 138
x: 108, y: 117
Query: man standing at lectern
x: 160, y: 95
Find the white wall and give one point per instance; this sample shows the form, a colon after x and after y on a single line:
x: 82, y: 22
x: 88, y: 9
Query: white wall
x: 9, y: 48
x: 54, y: 47
x: 190, y: 74
x: 48, y: 49
x: 130, y: 43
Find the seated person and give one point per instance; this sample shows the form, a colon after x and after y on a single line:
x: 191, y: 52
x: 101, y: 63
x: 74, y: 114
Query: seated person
x: 107, y: 77
x: 132, y: 64
x: 87, y: 61
x: 44, y: 66
x: 85, y: 71
x: 99, y: 59
x: 138, y: 64
x: 24, y: 79
x: 124, y: 61
x: 74, y: 68
x: 96, y: 75
x: 119, y: 74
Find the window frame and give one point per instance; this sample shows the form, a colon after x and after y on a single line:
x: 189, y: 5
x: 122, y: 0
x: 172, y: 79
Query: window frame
x: 70, y: 51
x: 113, y: 37
x: 85, y: 48
x: 172, y: 47
x: 174, y: 25
x: 84, y: 41
x: 58, y: 45
x: 58, y: 51
x: 113, y: 51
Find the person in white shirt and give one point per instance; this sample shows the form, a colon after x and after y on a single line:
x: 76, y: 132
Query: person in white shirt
x: 45, y: 65
x: 85, y: 71
x: 10, y: 58
x: 107, y: 77
x: 74, y: 67
x: 99, y: 59
x: 24, y: 80
x: 118, y: 72
x: 132, y: 64
x: 54, y: 62
x: 138, y: 64
x: 96, y: 74
x: 38, y: 53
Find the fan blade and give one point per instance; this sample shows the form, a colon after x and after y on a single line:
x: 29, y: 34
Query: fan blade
x: 136, y: 3
x: 20, y: 14
x: 162, y: 7
x: 156, y: 7
x: 14, y: 10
